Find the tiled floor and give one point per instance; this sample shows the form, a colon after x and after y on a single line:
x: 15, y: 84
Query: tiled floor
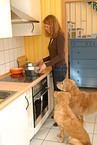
x: 47, y: 135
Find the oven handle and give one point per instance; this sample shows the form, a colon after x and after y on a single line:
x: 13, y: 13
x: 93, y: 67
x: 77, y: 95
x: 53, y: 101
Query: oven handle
x: 40, y: 95
x: 45, y: 90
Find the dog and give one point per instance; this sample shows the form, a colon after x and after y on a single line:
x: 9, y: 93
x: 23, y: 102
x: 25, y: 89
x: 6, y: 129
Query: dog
x: 81, y: 103
x: 67, y: 120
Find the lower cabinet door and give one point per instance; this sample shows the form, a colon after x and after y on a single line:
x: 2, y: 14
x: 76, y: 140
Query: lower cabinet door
x: 13, y: 123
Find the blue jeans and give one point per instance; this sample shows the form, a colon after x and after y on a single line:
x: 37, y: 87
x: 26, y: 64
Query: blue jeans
x: 59, y: 73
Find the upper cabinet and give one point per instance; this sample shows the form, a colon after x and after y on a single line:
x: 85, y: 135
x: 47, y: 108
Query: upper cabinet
x: 5, y: 16
x: 29, y: 7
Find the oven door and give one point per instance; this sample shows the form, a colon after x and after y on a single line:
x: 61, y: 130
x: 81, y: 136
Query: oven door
x: 40, y: 103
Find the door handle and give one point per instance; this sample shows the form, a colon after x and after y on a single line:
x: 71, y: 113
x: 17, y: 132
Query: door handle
x: 27, y: 102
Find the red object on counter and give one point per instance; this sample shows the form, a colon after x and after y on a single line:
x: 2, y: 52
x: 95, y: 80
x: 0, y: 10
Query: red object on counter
x: 16, y: 70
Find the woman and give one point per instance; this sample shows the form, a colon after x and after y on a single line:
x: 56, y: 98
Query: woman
x: 56, y: 57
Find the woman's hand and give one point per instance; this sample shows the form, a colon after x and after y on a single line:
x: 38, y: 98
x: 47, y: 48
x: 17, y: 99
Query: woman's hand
x: 42, y: 68
x: 39, y: 62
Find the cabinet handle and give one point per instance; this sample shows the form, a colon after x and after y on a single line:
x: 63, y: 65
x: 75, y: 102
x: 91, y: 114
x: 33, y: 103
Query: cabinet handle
x: 94, y: 43
x: 78, y: 71
x: 32, y: 28
x: 27, y: 102
x: 78, y: 62
x: 78, y: 52
x: 86, y: 43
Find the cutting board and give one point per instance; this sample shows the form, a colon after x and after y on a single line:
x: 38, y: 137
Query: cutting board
x: 22, y: 60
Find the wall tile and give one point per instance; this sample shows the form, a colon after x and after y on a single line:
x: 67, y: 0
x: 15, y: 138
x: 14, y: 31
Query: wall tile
x: 10, y: 41
x: 14, y: 42
x: 11, y: 55
x: 15, y: 51
x: 5, y: 44
x: 1, y: 57
x: 6, y: 56
x: 15, y: 64
x: 2, y: 69
x: 7, y: 67
x: 19, y: 51
x: 23, y: 50
x: 1, y: 44
x: 12, y: 64
x: 10, y: 49
x: 21, y: 41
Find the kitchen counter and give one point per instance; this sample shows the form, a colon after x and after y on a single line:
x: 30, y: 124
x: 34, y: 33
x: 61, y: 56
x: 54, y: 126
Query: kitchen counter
x: 19, y: 87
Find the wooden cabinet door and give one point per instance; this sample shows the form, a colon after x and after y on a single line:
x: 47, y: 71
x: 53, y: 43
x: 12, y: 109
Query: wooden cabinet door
x: 14, y: 123
x: 5, y: 19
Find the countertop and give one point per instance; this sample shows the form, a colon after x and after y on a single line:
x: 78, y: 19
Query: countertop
x: 19, y: 87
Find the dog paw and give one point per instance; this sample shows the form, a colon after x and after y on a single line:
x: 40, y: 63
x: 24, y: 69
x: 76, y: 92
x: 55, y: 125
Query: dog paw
x: 59, y: 135
x: 61, y: 140
x: 74, y: 141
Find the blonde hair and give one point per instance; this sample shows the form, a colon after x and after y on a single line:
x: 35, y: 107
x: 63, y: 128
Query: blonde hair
x: 54, y: 26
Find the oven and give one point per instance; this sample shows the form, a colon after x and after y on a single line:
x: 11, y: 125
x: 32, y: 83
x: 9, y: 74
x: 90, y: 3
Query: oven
x: 40, y: 100
x: 39, y: 94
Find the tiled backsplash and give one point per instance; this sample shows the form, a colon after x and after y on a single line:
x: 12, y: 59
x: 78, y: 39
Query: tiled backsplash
x: 10, y: 49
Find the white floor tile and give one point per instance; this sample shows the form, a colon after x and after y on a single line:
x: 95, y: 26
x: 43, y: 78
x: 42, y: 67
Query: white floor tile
x: 48, y: 123
x: 55, y: 127
x: 94, y: 140
x: 91, y: 137
x: 90, y: 118
x: 36, y: 142
x: 95, y: 130
x: 96, y: 118
x: 89, y: 127
x: 52, y: 135
x: 52, y: 114
x: 51, y: 143
x: 41, y: 134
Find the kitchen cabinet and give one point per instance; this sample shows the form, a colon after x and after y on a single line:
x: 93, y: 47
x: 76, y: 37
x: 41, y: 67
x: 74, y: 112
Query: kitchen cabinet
x: 14, y: 123
x: 17, y: 118
x: 83, y: 62
x: 29, y: 108
x: 5, y: 22
x: 32, y: 8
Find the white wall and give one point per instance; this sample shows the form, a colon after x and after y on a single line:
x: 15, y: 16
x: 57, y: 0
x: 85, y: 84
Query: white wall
x: 10, y: 49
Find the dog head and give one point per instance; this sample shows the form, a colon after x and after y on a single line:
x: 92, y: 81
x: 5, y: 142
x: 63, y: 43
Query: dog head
x: 63, y: 97
x: 65, y: 85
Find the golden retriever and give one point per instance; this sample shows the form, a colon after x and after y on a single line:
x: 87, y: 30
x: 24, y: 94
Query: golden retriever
x: 67, y: 120
x: 81, y: 103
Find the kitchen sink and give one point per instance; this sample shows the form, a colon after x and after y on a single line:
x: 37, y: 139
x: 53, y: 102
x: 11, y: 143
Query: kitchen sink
x: 4, y: 94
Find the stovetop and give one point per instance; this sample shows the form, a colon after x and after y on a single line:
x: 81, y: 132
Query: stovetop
x: 22, y: 78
